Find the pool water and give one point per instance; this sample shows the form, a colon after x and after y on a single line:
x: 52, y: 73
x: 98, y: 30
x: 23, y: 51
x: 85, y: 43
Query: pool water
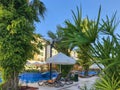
x: 31, y: 77
x: 0, y: 80
x: 90, y: 73
x: 35, y: 77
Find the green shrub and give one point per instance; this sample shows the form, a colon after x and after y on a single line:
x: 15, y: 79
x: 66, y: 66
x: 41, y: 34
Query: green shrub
x: 31, y: 70
x: 107, y: 83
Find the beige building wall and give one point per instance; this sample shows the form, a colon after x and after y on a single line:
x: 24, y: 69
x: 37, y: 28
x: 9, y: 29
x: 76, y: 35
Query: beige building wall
x: 41, y: 56
x: 45, y: 52
x: 74, y: 54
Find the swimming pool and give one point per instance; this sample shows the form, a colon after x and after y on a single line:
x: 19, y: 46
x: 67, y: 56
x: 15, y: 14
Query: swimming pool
x: 29, y: 77
x: 90, y: 73
x: 0, y: 80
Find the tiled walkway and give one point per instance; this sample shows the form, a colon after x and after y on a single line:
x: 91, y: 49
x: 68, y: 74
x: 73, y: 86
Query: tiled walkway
x: 75, y: 86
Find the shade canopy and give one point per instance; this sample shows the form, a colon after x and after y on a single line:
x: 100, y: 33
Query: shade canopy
x: 61, y: 58
x: 95, y: 66
x: 33, y: 62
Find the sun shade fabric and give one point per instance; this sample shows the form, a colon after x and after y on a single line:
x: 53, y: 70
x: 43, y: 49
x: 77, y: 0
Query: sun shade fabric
x: 95, y: 66
x: 33, y: 62
x: 61, y: 58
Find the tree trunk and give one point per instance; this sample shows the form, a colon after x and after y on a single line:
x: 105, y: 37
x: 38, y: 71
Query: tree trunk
x: 11, y: 84
x: 6, y: 85
x: 15, y: 81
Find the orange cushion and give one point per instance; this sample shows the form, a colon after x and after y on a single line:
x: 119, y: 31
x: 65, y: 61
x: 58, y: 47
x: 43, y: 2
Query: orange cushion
x: 50, y: 81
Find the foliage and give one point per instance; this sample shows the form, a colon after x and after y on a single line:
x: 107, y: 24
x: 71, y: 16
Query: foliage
x: 82, y: 33
x: 107, y: 83
x: 108, y: 52
x: 58, y: 37
x: 66, y: 69
x: 31, y: 70
x: 95, y: 39
x: 17, y: 19
x: 84, y: 60
x: 61, y: 46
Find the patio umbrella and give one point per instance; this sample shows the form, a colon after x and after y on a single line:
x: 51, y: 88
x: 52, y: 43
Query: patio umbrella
x: 95, y: 66
x: 37, y: 63
x: 32, y: 62
x: 28, y: 63
x: 61, y: 59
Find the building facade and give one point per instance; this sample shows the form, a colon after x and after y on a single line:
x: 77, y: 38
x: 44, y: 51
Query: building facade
x: 45, y: 52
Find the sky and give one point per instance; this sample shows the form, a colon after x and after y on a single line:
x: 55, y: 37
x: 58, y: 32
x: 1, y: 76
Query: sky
x: 60, y: 10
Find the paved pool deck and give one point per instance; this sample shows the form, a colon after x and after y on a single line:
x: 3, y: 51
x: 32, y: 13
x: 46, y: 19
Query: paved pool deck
x: 89, y: 82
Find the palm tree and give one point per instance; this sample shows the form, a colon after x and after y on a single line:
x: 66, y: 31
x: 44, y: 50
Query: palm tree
x: 61, y: 46
x: 38, y: 9
x: 82, y: 34
x: 108, y: 52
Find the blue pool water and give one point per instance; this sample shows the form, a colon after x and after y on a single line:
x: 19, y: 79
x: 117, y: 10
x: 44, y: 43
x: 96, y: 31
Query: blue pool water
x: 0, y: 80
x: 35, y: 77
x: 90, y: 73
x: 29, y: 77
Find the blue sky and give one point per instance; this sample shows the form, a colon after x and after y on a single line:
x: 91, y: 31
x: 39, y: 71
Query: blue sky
x: 60, y: 10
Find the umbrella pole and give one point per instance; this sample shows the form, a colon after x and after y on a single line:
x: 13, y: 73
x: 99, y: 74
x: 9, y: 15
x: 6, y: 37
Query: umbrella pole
x: 51, y: 45
x: 50, y: 70
x: 60, y: 68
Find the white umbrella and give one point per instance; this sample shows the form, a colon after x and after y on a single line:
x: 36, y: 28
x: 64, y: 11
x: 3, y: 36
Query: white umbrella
x: 61, y: 58
x: 28, y: 63
x: 35, y: 62
x: 95, y: 66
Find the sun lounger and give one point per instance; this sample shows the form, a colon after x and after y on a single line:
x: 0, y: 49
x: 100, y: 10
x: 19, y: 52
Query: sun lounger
x: 53, y: 82
x: 67, y: 80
